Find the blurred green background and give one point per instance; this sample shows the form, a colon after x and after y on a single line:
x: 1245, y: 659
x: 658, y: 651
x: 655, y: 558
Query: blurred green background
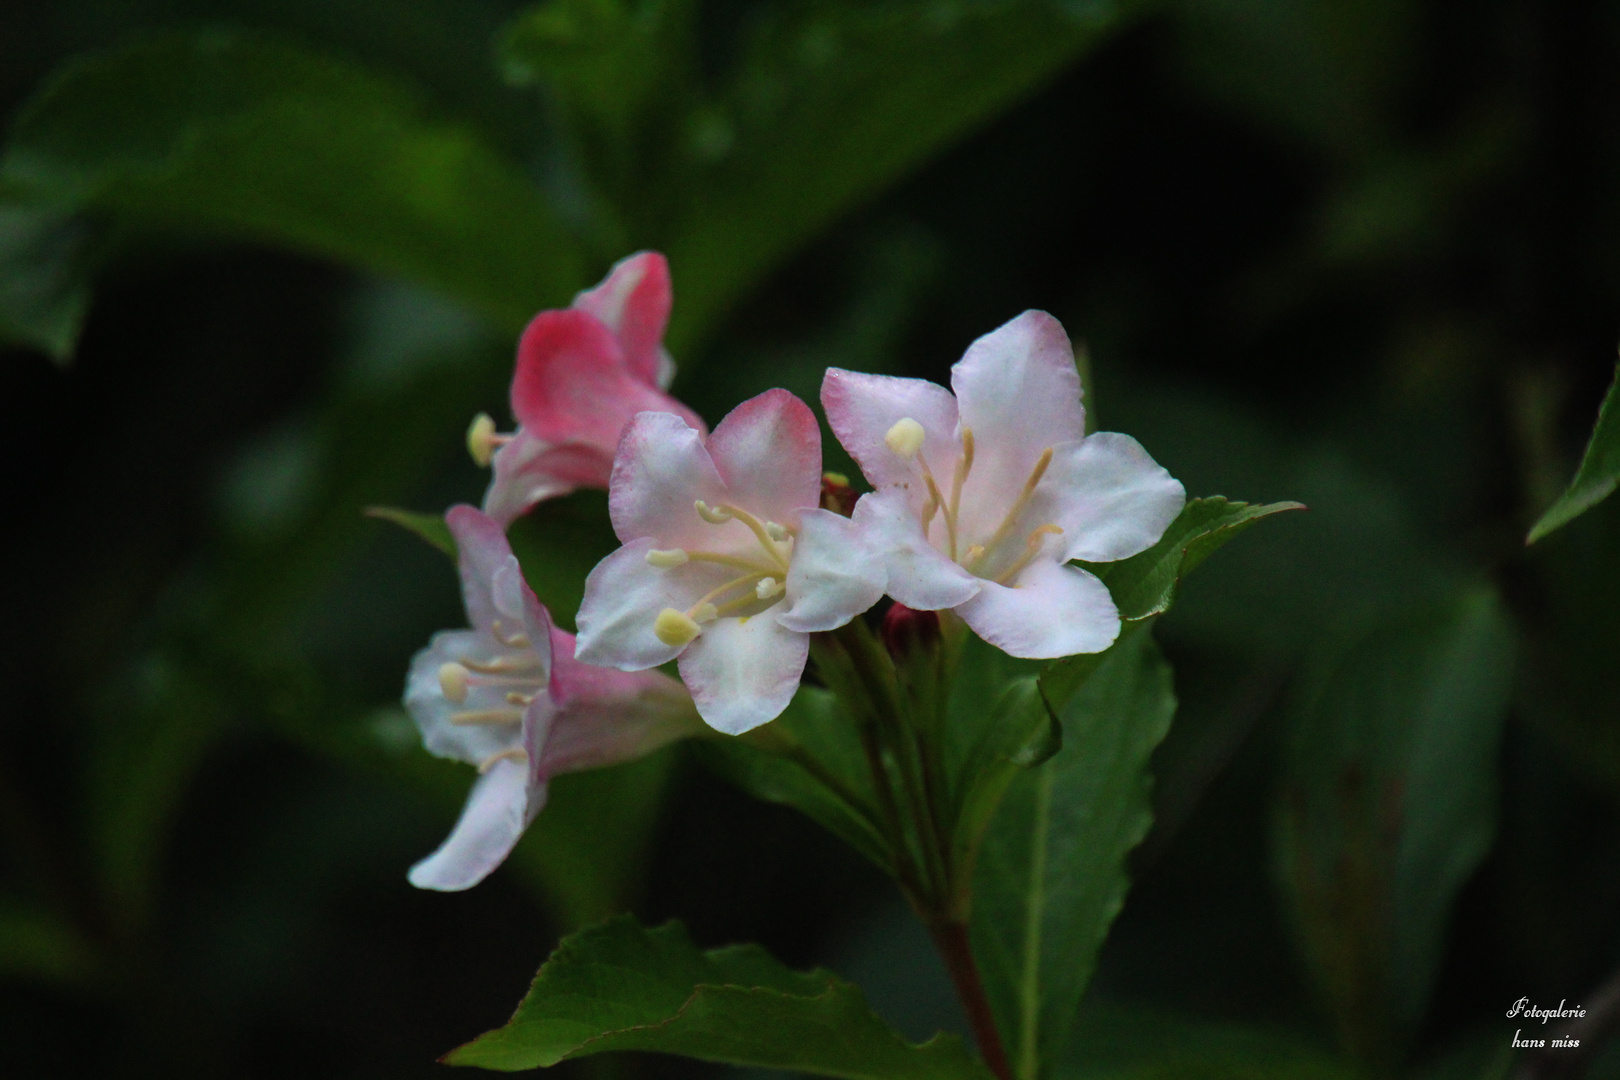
x: 1359, y: 253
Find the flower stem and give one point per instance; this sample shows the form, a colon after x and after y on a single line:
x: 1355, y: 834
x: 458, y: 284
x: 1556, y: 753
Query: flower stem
x: 951, y: 938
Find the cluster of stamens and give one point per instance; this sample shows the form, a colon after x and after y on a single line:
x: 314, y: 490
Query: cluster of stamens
x: 905, y: 439
x: 762, y: 577
x: 520, y: 675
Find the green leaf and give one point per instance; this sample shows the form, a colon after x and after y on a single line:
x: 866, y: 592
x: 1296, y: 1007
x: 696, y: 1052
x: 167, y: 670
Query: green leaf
x: 809, y: 758
x: 38, y: 944
x: 1389, y: 804
x: 430, y: 527
x: 997, y: 725
x: 45, y: 259
x: 1598, y: 474
x: 1144, y: 585
x: 619, y: 986
x: 250, y: 137
x: 834, y: 100
x: 1051, y: 875
x: 1113, y: 1041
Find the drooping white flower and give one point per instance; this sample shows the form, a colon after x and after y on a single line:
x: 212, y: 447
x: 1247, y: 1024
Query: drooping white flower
x: 508, y: 696
x: 983, y: 497
x: 727, y: 563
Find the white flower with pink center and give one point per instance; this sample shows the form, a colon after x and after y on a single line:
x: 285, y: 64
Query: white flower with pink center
x: 582, y: 373
x: 508, y: 696
x: 985, y: 496
x: 727, y: 563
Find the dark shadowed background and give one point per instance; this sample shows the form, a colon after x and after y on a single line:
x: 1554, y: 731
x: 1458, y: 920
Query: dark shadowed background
x: 1364, y: 254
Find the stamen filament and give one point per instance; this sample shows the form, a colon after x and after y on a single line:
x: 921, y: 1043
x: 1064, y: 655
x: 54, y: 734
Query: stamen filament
x: 737, y: 562
x: 503, y: 665
x: 519, y: 640
x: 1009, y: 522
x: 720, y: 590
x: 488, y: 716
x: 964, y: 465
x: 519, y: 699
x: 939, y: 500
x: 1032, y: 548
x: 511, y: 753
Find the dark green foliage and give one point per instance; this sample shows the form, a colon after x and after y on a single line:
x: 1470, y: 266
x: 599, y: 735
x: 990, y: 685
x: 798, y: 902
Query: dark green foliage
x: 621, y: 987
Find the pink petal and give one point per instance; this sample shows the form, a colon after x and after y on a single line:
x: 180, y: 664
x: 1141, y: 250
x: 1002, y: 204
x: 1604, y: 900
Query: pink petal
x: 1111, y: 499
x: 919, y: 576
x: 482, y: 550
x: 529, y: 470
x: 836, y: 574
x: 605, y: 716
x: 768, y: 451
x: 862, y: 408
x: 573, y: 383
x: 743, y: 673
x: 633, y: 301
x: 661, y: 470
x: 500, y: 806
x: 1018, y: 390
x: 1054, y: 611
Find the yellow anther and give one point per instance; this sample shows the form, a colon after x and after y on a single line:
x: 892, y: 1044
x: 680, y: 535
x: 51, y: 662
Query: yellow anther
x: 512, y: 666
x: 675, y: 628
x: 481, y: 439
x: 453, y: 682
x: 974, y: 553
x: 705, y: 613
x: 712, y: 514
x: 511, y: 753
x: 519, y: 699
x: 487, y: 716
x: 905, y: 438
x: 776, y: 532
x: 667, y: 559
x: 768, y: 587
x: 837, y: 479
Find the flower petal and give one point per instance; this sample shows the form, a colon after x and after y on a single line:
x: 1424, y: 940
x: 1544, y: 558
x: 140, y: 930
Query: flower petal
x: 862, y: 408
x: 661, y: 469
x: 633, y: 301
x: 1018, y: 389
x: 604, y: 716
x: 743, y: 672
x: 836, y: 573
x: 500, y: 806
x: 573, y: 383
x: 1054, y: 611
x: 435, y: 715
x: 481, y: 550
x: 529, y: 470
x: 623, y: 596
x: 768, y: 451
x: 919, y: 576
x: 1111, y: 499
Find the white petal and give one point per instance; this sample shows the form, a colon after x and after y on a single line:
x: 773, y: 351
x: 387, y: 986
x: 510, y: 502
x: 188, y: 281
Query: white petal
x: 623, y: 596
x: 862, y: 408
x: 499, y: 808
x: 1018, y: 389
x: 481, y: 550
x: 768, y: 450
x: 1054, y: 611
x: 433, y: 712
x: 836, y: 574
x: 660, y: 470
x: 919, y: 576
x: 742, y: 673
x: 1111, y: 499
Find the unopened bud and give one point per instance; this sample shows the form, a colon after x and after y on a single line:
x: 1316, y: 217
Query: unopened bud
x: 906, y: 630
x: 481, y: 439
x: 836, y: 494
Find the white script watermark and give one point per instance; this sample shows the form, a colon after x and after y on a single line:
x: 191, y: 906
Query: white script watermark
x: 1523, y: 1008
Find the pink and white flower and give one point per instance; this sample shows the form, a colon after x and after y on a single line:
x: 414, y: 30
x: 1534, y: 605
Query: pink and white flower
x: 728, y: 563
x: 582, y: 373
x: 983, y: 497
x: 508, y: 696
